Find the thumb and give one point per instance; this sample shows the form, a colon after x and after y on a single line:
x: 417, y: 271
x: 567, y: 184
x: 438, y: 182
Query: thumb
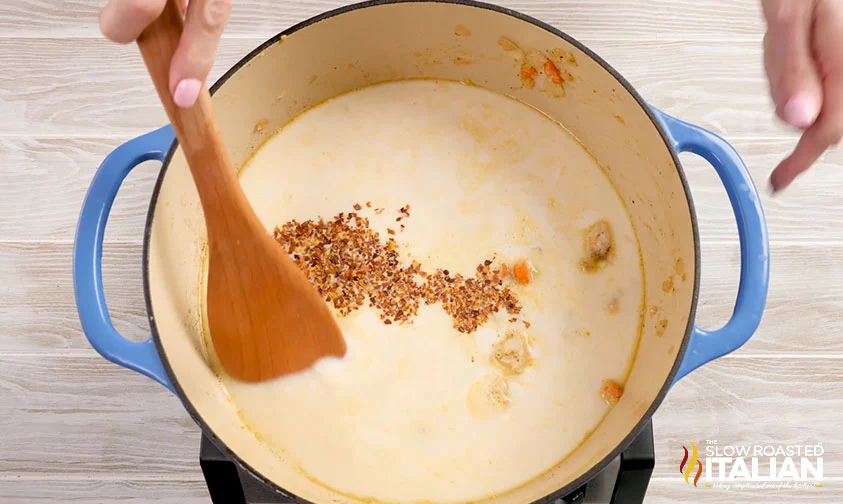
x: 794, y: 83
x: 192, y: 62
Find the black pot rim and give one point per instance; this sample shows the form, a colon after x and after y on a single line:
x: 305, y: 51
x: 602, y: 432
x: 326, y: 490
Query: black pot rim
x: 645, y: 419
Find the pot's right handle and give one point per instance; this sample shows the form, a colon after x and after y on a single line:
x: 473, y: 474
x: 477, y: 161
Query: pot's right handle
x: 87, y: 257
x: 705, y: 346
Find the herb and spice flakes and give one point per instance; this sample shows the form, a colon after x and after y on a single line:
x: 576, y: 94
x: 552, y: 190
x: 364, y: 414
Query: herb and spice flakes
x: 471, y: 301
x: 350, y: 265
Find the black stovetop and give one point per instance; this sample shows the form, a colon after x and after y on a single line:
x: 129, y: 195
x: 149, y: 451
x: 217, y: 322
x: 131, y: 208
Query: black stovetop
x: 623, y: 481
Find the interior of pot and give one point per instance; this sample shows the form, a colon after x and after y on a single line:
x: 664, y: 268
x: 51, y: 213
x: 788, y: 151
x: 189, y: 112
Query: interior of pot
x: 386, y: 42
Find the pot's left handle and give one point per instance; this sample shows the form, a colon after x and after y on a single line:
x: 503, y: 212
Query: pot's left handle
x: 704, y: 345
x: 87, y: 256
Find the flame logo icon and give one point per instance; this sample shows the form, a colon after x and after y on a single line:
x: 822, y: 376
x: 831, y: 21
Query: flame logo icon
x: 687, y: 466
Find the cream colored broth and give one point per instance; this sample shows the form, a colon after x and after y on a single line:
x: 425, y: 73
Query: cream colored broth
x: 409, y: 414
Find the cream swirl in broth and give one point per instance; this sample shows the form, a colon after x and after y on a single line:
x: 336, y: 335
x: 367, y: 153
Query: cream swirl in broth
x: 418, y: 411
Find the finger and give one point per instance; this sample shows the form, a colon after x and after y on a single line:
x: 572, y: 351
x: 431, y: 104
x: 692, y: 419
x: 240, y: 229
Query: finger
x: 122, y: 21
x: 194, y: 57
x: 795, y: 85
x: 827, y: 34
x: 826, y: 132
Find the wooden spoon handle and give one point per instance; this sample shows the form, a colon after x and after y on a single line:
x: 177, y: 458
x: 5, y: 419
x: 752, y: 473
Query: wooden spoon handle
x: 196, y: 131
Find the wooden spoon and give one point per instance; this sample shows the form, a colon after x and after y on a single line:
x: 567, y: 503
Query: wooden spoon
x: 265, y: 318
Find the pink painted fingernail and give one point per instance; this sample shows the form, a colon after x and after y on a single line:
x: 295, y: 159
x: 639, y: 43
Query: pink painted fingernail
x: 801, y: 111
x: 186, y: 92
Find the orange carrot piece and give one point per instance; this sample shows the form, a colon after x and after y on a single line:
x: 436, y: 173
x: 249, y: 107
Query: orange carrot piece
x: 522, y: 273
x: 528, y: 71
x: 551, y: 70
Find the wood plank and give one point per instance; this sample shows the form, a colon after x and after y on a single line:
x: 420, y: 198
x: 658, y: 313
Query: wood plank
x: 97, y: 491
x: 63, y: 168
x: 808, y: 211
x: 44, y: 181
x: 753, y: 401
x: 67, y: 91
x: 719, y: 86
x: 678, y: 20
x: 82, y: 416
x: 804, y: 308
x: 804, y: 305
x: 39, y: 308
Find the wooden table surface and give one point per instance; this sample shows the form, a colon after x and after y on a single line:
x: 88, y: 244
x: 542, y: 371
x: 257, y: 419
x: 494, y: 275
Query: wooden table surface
x: 76, y: 428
